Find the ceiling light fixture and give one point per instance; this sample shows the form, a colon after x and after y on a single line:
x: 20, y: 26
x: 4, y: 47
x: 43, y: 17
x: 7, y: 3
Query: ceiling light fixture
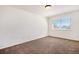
x: 48, y: 6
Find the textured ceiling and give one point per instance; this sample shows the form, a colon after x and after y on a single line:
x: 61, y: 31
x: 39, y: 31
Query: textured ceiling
x: 41, y: 10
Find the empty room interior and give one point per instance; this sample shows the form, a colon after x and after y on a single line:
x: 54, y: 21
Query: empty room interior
x: 39, y: 29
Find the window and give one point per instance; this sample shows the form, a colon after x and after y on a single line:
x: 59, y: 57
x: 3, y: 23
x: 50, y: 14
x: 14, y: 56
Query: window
x: 62, y: 23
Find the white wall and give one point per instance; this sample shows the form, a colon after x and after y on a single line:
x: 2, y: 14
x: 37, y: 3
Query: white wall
x: 18, y: 26
x: 73, y: 33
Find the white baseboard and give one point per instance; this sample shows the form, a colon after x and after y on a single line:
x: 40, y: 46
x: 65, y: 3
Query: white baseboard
x: 18, y: 42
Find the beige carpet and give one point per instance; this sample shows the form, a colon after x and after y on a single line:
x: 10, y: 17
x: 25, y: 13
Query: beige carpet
x: 46, y: 45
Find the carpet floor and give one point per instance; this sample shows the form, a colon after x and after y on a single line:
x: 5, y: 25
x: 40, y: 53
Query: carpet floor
x: 46, y: 45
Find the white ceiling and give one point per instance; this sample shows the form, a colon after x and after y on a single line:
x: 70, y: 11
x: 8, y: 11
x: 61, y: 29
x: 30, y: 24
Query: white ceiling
x: 41, y: 10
